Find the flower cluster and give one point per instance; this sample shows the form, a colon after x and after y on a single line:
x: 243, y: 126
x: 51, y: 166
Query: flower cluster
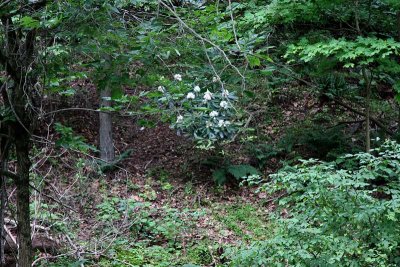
x: 203, y: 112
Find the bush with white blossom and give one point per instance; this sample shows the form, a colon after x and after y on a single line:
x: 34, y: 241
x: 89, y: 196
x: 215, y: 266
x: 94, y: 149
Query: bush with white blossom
x: 204, y: 111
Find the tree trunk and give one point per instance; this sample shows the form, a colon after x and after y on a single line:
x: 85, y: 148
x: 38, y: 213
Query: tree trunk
x: 107, y: 152
x: 22, y: 146
x: 3, y: 165
x: 367, y: 82
x: 3, y: 209
x: 398, y: 39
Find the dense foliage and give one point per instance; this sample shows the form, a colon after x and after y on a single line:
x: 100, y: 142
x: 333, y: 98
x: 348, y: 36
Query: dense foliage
x: 343, y: 213
x: 124, y: 112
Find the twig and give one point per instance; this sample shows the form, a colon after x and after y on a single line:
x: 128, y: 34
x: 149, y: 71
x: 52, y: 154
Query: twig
x: 203, y: 39
x: 4, y: 3
x: 10, y: 234
x: 50, y: 257
x: 77, y: 250
x: 52, y: 198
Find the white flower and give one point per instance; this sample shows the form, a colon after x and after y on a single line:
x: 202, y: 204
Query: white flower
x: 197, y: 89
x: 178, y: 77
x: 225, y: 93
x: 207, y: 95
x: 377, y: 139
x: 161, y: 89
x: 208, y: 124
x: 223, y: 104
x: 190, y: 96
x: 179, y: 119
x: 222, y: 123
x: 213, y: 114
x: 215, y: 79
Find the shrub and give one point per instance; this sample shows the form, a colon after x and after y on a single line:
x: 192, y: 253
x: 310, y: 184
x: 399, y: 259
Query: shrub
x: 204, y: 113
x: 342, y: 213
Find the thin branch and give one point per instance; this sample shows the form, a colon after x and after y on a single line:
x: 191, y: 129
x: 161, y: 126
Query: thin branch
x: 203, y: 39
x: 4, y: 3
x: 374, y: 120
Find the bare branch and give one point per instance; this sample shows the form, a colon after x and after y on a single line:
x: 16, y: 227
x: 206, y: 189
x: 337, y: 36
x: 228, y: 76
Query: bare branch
x: 190, y: 29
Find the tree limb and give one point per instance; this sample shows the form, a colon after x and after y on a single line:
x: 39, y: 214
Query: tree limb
x: 374, y: 120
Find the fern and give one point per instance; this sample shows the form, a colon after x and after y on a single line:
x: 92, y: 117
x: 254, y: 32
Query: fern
x: 237, y: 171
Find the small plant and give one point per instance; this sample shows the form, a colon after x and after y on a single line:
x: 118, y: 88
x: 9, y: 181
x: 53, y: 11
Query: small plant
x: 200, y: 255
x: 223, y: 169
x: 71, y: 141
x: 244, y: 220
x: 237, y: 171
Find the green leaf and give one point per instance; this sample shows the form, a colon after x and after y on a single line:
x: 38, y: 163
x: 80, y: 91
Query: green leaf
x: 29, y: 22
x: 254, y: 61
x: 219, y: 176
x: 116, y: 92
x: 239, y: 171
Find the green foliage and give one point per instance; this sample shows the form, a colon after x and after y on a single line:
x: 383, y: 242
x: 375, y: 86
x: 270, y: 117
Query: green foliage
x: 362, y: 51
x: 304, y: 140
x: 221, y: 174
x: 201, y: 112
x: 262, y: 153
x: 200, y: 255
x: 147, y: 223
x: 71, y: 141
x: 244, y: 220
x: 62, y: 262
x: 315, y: 141
x: 341, y: 213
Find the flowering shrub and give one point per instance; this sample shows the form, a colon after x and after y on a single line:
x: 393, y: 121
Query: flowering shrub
x: 203, y: 112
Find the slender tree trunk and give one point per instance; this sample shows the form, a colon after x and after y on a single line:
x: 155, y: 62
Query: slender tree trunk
x: 22, y: 146
x: 367, y: 82
x: 107, y: 152
x: 3, y: 209
x: 398, y: 39
x: 18, y: 59
x: 367, y: 111
x: 20, y: 130
x: 3, y: 165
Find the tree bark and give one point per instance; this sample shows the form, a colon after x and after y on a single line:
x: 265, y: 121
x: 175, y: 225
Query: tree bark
x: 3, y: 165
x: 367, y: 82
x: 17, y: 56
x: 107, y: 152
x: 398, y: 39
x: 22, y: 147
x: 367, y: 110
x: 3, y: 209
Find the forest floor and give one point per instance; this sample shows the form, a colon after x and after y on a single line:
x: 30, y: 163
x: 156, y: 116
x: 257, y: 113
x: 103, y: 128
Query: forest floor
x: 158, y: 209
x: 159, y: 206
